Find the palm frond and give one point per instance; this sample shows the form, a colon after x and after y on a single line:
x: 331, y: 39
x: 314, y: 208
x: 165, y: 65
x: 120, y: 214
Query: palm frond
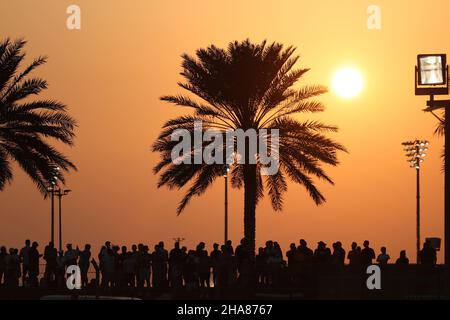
x: 249, y: 86
x: 25, y: 127
x: 5, y: 170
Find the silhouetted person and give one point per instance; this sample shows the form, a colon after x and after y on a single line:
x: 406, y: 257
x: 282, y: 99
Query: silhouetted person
x: 176, y: 261
x: 276, y: 263
x: 354, y: 255
x: 71, y: 256
x: 216, y: 256
x: 3, y: 254
x: 33, y: 255
x: 304, y: 258
x: 50, y: 255
x: 25, y: 259
x: 144, y: 265
x: 304, y: 254
x: 203, y: 265
x: 103, y: 251
x: 338, y: 256
x: 94, y: 283
x: 129, y: 268
x: 83, y: 263
x: 383, y: 257
x: 101, y: 264
x: 226, y: 267
x: 427, y: 255
x: 12, y: 268
x: 120, y: 261
x: 322, y: 254
x: 243, y: 261
x: 60, y: 271
x: 117, y: 275
x: 367, y: 254
x: 160, y: 258
x: 269, y: 253
x: 403, y: 259
x: 191, y: 272
x: 164, y: 259
x: 260, y: 262
x: 109, y: 265
x: 290, y: 255
x: 135, y: 253
x: 229, y: 247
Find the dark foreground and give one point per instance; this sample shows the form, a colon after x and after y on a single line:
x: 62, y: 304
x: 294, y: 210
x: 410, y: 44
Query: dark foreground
x: 413, y: 282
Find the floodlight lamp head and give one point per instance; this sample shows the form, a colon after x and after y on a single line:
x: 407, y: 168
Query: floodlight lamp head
x: 431, y: 77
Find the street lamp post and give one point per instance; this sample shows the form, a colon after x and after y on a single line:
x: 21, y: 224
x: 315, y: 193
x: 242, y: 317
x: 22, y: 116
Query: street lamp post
x: 431, y: 78
x: 52, y: 190
x: 225, y: 175
x: 415, y: 153
x: 60, y: 194
x: 52, y: 215
x: 179, y: 239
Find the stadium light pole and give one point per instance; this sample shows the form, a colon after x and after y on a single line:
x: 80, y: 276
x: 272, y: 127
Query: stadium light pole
x: 52, y: 189
x: 432, y: 78
x: 61, y: 194
x: 226, y: 169
x: 415, y: 152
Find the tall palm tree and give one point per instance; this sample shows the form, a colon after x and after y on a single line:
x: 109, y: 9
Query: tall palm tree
x: 25, y: 125
x: 249, y: 86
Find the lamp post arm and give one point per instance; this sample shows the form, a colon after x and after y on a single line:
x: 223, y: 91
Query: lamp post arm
x: 436, y: 104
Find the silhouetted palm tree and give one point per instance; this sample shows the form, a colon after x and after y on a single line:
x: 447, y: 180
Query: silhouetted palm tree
x: 24, y: 125
x: 249, y: 86
x: 440, y: 131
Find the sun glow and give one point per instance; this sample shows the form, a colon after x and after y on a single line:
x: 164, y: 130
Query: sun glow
x: 347, y: 82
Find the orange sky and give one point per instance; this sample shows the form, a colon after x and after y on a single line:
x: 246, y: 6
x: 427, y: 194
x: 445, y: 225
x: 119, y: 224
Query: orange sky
x: 127, y: 54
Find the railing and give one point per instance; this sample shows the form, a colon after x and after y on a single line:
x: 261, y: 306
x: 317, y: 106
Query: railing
x: 325, y: 281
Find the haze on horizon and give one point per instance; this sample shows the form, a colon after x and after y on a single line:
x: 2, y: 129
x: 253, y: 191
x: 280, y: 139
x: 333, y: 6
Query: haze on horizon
x: 112, y: 72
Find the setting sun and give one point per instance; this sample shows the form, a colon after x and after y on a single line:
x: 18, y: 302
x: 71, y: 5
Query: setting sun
x: 347, y: 82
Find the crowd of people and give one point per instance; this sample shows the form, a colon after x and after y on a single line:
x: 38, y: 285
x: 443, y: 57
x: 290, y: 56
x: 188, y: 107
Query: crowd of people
x: 224, y: 266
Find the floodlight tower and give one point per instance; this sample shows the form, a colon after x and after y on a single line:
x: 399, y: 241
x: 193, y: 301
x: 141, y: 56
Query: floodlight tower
x: 431, y: 78
x: 226, y: 169
x: 415, y: 152
x: 53, y: 184
x: 61, y: 193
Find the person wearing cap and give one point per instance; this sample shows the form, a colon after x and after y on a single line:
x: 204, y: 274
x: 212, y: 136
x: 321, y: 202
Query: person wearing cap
x: 322, y: 254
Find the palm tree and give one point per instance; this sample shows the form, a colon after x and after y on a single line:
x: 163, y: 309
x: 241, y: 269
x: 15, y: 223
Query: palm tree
x: 249, y: 86
x: 440, y: 131
x: 24, y: 125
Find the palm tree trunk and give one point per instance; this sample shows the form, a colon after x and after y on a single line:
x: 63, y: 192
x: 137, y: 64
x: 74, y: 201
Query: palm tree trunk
x: 250, y: 207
